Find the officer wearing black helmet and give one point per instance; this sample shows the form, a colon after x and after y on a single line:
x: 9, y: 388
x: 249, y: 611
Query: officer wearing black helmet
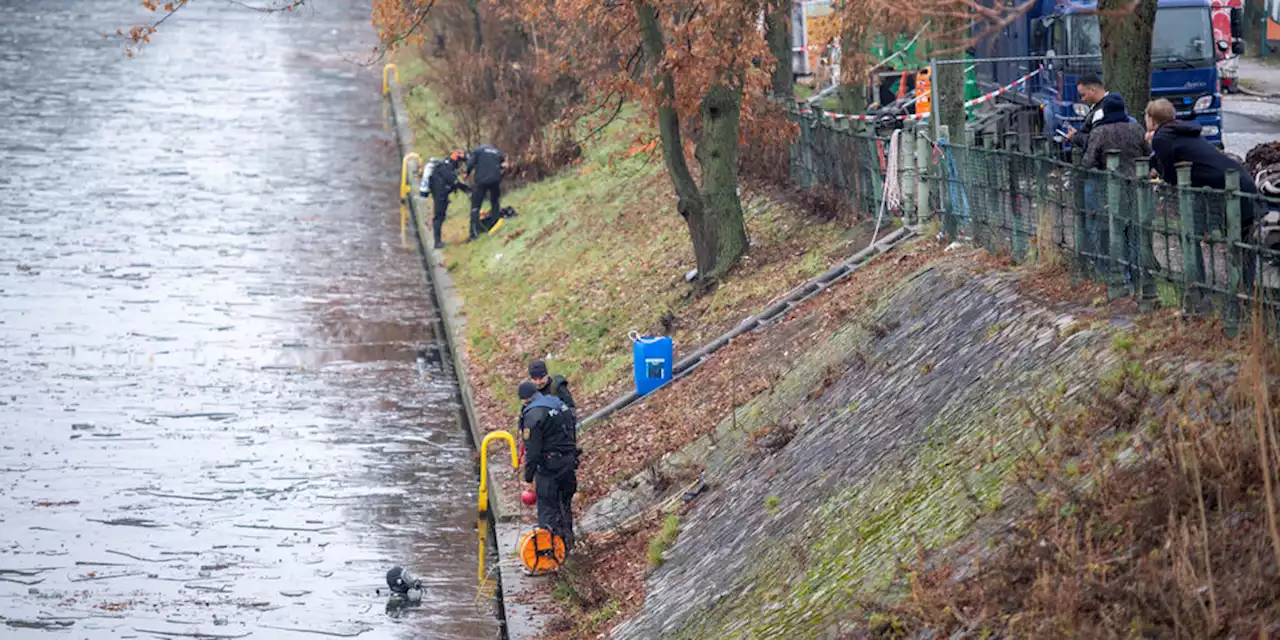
x: 550, y: 433
x: 549, y: 385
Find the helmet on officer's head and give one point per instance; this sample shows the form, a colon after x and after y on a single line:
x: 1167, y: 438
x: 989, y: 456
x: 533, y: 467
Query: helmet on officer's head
x: 458, y: 156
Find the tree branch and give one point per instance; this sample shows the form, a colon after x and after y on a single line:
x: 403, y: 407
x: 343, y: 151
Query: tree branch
x: 386, y: 47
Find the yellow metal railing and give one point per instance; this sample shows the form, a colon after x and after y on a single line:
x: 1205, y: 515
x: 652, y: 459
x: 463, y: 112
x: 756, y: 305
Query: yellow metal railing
x: 387, y: 72
x: 484, y: 459
x: 406, y: 187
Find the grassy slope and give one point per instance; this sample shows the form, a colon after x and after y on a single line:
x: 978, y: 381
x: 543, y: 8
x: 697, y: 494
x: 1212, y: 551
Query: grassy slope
x: 598, y: 251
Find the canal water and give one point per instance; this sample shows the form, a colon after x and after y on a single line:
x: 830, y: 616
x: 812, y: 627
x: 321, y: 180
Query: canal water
x: 213, y: 420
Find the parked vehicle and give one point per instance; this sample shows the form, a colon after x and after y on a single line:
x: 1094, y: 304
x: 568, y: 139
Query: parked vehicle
x: 1065, y: 38
x: 1228, y: 39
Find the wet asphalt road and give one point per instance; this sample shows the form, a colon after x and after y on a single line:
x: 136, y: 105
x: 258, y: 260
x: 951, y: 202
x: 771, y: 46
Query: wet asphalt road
x: 1248, y: 122
x: 212, y: 420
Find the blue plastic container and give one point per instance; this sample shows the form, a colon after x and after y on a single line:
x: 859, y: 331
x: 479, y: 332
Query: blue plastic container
x: 653, y: 361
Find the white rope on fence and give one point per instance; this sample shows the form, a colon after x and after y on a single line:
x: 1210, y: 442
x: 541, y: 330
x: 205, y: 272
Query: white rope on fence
x: 891, y: 197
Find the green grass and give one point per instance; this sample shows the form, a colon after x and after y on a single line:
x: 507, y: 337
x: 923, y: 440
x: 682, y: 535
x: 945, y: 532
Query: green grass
x: 598, y: 250
x: 771, y: 505
x: 663, y: 540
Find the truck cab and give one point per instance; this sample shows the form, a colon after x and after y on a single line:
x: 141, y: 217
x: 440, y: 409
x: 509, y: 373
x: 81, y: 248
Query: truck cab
x: 1065, y: 38
x: 1183, y: 62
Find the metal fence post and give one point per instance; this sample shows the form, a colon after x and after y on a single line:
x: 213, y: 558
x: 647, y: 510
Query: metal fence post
x: 922, y: 175
x: 993, y: 215
x: 840, y: 133
x: 1235, y: 256
x: 1078, y: 176
x: 806, y: 150
x: 793, y: 149
x: 1191, y: 276
x: 1144, y: 228
x: 935, y: 98
x: 1044, y: 219
x: 1115, y: 229
x: 906, y: 163
x: 877, y: 181
x: 1010, y: 180
x: 945, y: 181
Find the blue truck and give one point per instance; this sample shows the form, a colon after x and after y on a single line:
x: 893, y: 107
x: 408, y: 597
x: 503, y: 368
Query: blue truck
x: 1183, y: 63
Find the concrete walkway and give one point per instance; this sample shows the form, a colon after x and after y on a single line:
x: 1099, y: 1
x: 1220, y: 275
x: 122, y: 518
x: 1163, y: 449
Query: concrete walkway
x: 1258, y: 77
x: 1253, y: 118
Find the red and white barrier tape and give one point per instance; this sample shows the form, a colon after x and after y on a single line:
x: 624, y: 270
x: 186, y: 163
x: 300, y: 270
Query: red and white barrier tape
x: 920, y: 116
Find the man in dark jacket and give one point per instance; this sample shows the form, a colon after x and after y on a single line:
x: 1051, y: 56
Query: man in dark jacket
x: 1111, y: 130
x: 1114, y: 130
x: 549, y: 385
x: 1092, y: 92
x: 550, y: 433
x: 484, y: 167
x: 441, y: 184
x: 1174, y: 141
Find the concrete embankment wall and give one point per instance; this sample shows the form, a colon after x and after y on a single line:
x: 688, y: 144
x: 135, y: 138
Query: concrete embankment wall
x: 908, y: 423
x: 523, y: 604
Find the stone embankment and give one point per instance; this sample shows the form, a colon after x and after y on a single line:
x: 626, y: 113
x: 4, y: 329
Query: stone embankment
x: 904, y: 426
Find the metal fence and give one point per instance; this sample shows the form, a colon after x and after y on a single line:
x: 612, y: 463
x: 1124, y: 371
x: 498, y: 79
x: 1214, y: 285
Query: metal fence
x: 1165, y: 246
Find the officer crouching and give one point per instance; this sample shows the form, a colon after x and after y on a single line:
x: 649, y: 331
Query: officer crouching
x: 550, y: 432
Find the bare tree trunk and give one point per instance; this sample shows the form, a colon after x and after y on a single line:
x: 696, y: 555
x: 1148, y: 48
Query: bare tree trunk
x: 719, y: 237
x: 1126, y: 49
x: 688, y: 199
x: 852, y: 94
x: 777, y: 24
x: 948, y: 87
x: 714, y: 214
x: 490, y: 79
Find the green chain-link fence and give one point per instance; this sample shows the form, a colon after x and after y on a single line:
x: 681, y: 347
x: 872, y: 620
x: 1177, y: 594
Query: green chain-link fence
x: 1165, y: 245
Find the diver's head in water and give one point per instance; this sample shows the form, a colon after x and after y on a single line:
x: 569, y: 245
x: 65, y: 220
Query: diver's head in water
x: 401, y: 582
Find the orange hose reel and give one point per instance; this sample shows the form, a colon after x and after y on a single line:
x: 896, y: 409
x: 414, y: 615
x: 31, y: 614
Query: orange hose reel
x: 541, y: 551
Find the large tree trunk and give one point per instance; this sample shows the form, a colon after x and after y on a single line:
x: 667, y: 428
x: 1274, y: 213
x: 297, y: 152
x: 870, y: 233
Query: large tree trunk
x: 851, y: 96
x: 719, y: 235
x: 777, y: 24
x: 1126, y: 50
x: 688, y: 198
x: 948, y: 87
x: 490, y: 78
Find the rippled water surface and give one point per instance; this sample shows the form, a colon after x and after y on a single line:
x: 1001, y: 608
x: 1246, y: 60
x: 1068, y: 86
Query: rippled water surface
x: 212, y: 417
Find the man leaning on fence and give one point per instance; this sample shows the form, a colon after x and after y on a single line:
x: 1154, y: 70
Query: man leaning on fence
x: 1112, y: 130
x: 1174, y: 141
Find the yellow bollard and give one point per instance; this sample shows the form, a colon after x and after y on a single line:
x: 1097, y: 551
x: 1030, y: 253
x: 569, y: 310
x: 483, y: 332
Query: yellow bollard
x: 484, y: 458
x: 386, y: 86
x: 482, y: 528
x: 404, y: 225
x: 405, y: 186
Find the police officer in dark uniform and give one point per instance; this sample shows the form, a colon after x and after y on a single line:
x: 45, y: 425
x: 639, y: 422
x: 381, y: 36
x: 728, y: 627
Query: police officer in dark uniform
x: 441, y: 184
x: 549, y: 385
x: 484, y: 167
x: 550, y: 433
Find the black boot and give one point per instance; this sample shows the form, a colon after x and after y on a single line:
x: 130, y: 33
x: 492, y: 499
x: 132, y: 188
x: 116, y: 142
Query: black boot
x: 435, y: 231
x: 475, y: 225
